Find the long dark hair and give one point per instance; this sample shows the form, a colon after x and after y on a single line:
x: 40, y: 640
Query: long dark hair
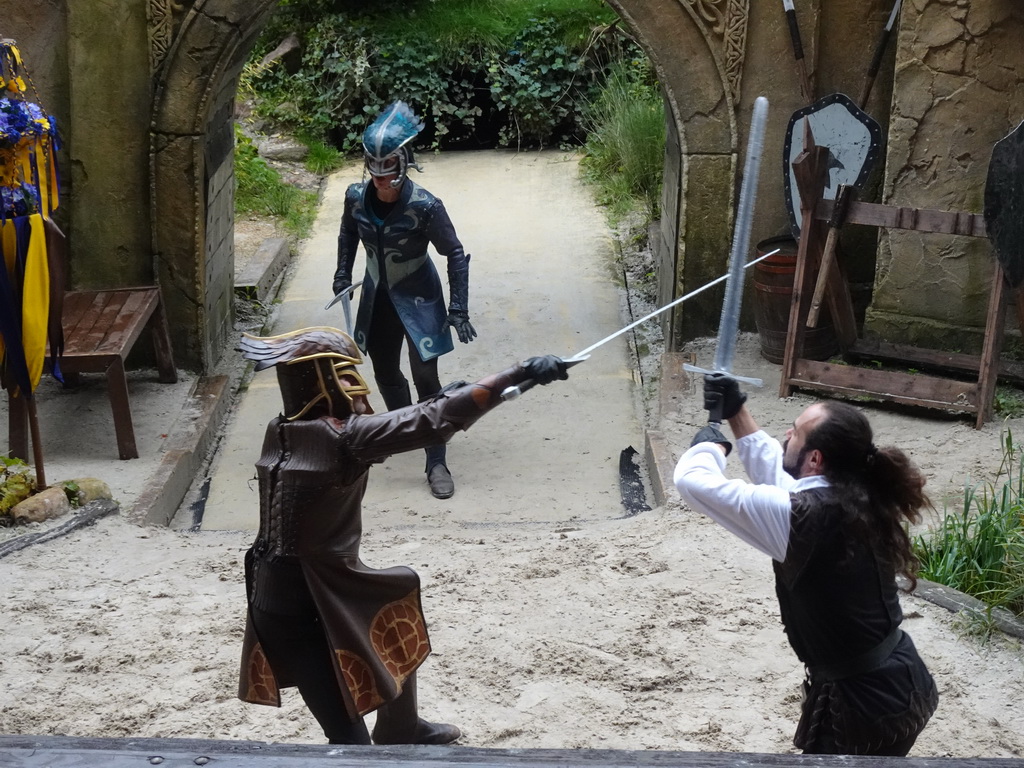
x: 879, y: 488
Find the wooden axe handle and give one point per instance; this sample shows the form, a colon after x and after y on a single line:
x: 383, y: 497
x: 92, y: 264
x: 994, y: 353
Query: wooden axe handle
x: 828, y: 256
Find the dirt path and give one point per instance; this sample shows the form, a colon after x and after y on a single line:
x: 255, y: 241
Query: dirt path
x: 541, y: 282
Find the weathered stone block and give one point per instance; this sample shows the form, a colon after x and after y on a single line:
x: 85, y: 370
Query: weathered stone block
x: 91, y: 489
x: 45, y: 505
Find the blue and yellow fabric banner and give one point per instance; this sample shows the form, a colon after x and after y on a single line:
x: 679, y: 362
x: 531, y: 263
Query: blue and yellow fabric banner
x: 29, y: 193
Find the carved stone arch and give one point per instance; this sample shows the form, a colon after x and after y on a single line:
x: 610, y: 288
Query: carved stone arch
x: 191, y: 177
x: 696, y: 46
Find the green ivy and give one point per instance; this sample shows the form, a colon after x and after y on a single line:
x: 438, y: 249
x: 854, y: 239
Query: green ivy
x: 524, y: 80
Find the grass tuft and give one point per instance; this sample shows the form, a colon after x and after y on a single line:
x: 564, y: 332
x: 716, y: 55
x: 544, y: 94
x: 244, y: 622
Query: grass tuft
x: 625, y: 148
x: 979, y: 548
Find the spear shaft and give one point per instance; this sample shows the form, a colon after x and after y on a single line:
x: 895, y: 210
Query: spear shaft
x: 798, y: 51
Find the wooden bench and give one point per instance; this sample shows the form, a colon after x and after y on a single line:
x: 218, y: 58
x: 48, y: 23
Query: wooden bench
x: 100, y: 330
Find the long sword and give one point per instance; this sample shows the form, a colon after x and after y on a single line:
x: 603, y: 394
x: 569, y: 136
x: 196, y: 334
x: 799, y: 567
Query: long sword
x: 513, y: 392
x: 728, y: 328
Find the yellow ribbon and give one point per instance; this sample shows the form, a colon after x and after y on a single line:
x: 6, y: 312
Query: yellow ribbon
x: 35, y: 315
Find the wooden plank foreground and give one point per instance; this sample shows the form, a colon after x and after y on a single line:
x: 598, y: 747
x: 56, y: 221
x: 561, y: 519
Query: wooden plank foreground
x: 67, y: 752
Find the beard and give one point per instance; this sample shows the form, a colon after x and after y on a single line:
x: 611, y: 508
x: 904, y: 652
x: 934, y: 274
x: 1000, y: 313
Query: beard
x: 791, y: 466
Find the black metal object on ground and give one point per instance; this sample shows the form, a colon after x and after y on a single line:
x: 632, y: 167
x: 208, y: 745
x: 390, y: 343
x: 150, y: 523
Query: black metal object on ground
x: 631, y: 485
x: 86, y: 515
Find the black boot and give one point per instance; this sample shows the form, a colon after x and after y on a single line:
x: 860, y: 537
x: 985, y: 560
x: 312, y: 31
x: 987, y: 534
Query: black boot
x: 399, y: 723
x: 395, y: 395
x: 441, y: 483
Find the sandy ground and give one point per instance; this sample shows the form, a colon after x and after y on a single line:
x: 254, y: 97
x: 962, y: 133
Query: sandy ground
x: 658, y: 631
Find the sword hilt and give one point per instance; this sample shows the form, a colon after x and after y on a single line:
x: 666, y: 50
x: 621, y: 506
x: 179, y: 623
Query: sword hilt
x: 511, y: 393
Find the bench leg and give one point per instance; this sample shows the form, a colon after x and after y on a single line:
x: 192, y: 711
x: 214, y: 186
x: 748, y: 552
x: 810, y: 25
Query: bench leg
x: 168, y: 374
x: 17, y: 427
x: 117, y: 389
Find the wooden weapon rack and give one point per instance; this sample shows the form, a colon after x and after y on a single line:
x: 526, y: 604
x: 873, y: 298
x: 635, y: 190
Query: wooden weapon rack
x: 924, y: 390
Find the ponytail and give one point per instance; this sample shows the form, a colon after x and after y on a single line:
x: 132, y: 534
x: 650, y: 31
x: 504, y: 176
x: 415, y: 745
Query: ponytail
x: 880, y: 489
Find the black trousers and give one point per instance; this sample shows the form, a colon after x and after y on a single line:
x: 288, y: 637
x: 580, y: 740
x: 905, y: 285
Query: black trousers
x: 297, y: 649
x: 384, y: 346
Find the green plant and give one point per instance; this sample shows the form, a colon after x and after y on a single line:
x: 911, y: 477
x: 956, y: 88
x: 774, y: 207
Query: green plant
x: 323, y: 159
x: 514, y: 71
x: 72, y: 491
x: 979, y: 548
x: 16, y: 484
x: 625, y: 148
x: 1009, y: 402
x: 261, y: 191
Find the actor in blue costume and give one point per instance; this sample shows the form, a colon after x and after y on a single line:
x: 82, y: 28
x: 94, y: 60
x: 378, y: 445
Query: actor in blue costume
x: 402, y: 297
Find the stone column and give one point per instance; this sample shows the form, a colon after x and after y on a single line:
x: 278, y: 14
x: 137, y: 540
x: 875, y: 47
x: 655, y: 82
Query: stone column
x: 108, y: 142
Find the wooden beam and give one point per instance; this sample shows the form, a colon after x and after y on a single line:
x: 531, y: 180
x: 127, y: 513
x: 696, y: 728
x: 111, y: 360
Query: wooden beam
x: 917, y: 219
x: 68, y: 752
x: 873, y: 349
x: 894, y: 386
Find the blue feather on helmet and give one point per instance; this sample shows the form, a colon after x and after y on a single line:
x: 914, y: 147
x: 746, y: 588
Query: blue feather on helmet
x: 385, y: 141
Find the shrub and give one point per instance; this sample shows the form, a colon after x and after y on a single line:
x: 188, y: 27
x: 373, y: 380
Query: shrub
x: 480, y: 72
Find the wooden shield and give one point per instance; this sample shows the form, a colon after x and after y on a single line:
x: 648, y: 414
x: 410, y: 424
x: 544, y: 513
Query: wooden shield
x: 1004, y: 204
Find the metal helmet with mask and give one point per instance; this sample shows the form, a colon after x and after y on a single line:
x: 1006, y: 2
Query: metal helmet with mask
x: 386, y: 149
x: 316, y: 371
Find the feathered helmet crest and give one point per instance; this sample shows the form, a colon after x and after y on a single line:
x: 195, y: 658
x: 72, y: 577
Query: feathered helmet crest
x: 386, y: 141
x: 314, y: 366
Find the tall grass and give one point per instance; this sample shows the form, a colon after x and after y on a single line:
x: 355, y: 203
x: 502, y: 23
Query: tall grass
x: 323, y: 159
x: 625, y: 147
x: 260, y: 190
x: 979, y: 548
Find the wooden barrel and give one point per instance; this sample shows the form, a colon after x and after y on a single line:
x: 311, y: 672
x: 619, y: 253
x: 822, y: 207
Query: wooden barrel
x: 773, y: 294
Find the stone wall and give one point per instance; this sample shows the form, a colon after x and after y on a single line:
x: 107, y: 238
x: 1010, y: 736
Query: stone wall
x: 220, y: 218
x: 959, y: 88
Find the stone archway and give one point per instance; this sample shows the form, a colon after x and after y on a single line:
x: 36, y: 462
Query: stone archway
x: 192, y: 180
x: 697, y: 47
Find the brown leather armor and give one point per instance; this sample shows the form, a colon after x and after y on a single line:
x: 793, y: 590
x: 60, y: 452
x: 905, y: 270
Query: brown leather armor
x: 312, y: 474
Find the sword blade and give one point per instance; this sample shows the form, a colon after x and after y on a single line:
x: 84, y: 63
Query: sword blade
x: 667, y: 307
x: 343, y: 294
x: 511, y: 393
x: 728, y: 327
x: 346, y: 307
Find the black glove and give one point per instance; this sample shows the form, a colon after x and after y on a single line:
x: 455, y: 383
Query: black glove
x: 711, y: 434
x: 546, y: 369
x: 459, y: 320
x: 340, y: 283
x: 721, y: 389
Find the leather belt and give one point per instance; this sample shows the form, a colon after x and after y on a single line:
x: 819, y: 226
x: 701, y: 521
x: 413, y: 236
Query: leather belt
x: 866, y: 662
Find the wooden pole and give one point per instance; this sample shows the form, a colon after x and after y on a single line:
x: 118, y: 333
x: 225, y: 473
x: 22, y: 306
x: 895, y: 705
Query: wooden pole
x: 37, y: 448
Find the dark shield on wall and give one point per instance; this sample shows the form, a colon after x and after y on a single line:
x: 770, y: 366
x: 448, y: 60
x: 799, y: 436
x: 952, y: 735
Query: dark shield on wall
x: 1004, y: 204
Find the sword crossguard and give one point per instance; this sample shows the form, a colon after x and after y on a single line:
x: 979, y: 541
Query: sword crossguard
x: 745, y: 379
